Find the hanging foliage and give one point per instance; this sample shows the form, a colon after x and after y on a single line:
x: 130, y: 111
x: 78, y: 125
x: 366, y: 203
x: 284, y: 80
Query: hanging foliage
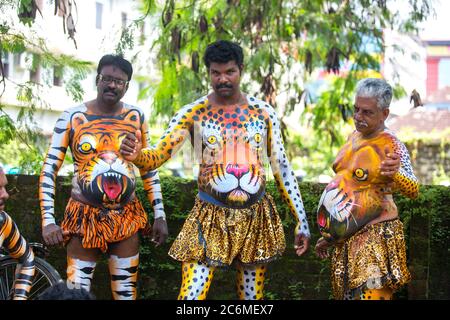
x: 18, y: 135
x: 278, y: 36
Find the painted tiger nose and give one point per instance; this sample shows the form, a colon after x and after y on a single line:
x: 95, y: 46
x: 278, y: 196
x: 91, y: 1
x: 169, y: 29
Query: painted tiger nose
x: 108, y: 157
x: 237, y: 170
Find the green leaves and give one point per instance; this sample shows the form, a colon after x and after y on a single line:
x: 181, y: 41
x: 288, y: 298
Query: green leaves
x: 22, y: 144
x: 288, y: 45
x: 314, y: 34
x: 26, y: 11
x: 7, y: 129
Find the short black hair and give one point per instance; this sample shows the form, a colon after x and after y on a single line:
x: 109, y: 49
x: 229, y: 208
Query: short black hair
x: 223, y: 51
x: 61, y: 291
x: 117, y: 61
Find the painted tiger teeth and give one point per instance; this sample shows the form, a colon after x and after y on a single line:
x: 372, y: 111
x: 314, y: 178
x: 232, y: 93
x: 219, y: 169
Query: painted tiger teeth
x: 124, y: 184
x: 99, y: 184
x: 112, y: 174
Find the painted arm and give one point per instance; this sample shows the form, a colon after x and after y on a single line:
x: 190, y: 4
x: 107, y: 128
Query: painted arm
x: 152, y: 188
x: 52, y: 163
x: 284, y: 176
x: 173, y: 138
x: 404, y: 179
x: 150, y: 179
x: 18, y: 248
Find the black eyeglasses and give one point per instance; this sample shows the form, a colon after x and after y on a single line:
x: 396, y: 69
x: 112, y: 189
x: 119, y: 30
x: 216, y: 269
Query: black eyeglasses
x: 108, y: 80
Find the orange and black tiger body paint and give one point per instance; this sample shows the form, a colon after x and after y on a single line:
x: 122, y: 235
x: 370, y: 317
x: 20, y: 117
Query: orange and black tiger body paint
x: 231, y: 144
x: 102, y: 177
x: 103, y: 208
x: 18, y: 248
x: 359, y: 194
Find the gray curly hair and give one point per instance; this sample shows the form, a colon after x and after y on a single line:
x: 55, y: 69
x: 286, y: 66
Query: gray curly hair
x: 375, y: 88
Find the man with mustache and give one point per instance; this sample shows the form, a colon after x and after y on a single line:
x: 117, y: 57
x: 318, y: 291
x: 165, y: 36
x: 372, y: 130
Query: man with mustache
x: 103, y: 213
x: 234, y: 221
x: 357, y: 214
x: 16, y: 245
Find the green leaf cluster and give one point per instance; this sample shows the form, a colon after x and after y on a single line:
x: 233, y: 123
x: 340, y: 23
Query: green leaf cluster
x: 291, y: 42
x: 19, y: 136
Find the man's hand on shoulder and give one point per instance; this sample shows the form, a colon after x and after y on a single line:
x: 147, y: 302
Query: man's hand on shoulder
x: 390, y: 165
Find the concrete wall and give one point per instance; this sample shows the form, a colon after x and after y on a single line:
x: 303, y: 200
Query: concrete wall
x: 427, y: 231
x: 429, y: 158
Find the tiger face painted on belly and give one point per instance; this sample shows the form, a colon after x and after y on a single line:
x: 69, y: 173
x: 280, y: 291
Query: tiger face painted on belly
x: 104, y: 178
x: 233, y: 144
x: 232, y: 171
x: 356, y: 195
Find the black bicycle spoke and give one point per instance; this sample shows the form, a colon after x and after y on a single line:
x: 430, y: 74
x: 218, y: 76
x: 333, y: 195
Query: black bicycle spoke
x: 7, y: 282
x: 3, y: 291
x: 45, y: 276
x: 36, y: 291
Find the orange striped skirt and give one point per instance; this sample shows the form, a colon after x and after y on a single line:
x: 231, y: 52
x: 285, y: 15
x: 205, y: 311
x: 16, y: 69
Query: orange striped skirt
x: 97, y: 226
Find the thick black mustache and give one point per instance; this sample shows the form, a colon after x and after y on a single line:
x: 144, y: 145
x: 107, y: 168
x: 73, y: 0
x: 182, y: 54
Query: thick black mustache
x: 224, y: 85
x: 110, y: 90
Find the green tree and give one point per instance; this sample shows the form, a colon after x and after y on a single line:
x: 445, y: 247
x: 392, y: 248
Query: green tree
x: 285, y: 42
x: 21, y: 143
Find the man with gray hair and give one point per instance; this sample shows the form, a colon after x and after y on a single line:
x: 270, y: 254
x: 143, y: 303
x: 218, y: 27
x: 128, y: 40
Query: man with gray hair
x: 356, y: 213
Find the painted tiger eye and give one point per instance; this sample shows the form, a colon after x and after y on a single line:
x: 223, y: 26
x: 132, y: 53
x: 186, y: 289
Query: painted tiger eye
x: 212, y: 139
x: 86, y: 147
x: 359, y: 173
x: 258, y: 137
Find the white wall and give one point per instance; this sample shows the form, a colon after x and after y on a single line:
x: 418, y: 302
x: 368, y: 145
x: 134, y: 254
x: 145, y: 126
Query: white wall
x: 92, y: 44
x: 405, y: 63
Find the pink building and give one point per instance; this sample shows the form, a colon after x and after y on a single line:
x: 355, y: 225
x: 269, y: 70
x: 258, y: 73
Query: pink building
x: 438, y: 70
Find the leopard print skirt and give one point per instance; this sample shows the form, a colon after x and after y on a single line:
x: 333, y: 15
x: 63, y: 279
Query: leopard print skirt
x: 97, y: 227
x: 220, y: 236
x: 373, y: 258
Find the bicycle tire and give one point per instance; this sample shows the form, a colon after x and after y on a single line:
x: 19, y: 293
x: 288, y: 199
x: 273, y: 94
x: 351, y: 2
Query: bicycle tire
x: 44, y: 271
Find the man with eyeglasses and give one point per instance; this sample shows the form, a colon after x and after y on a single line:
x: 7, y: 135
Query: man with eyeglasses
x: 103, y: 214
x: 357, y: 214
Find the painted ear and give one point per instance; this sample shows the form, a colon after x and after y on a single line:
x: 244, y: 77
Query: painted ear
x: 78, y: 119
x: 133, y: 117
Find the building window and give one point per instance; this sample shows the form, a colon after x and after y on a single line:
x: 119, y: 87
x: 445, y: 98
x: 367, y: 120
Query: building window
x: 124, y: 20
x: 444, y: 73
x: 18, y: 60
x: 142, y: 86
x: 57, y: 76
x: 142, y: 33
x: 35, y: 75
x: 98, y: 15
x: 5, y: 62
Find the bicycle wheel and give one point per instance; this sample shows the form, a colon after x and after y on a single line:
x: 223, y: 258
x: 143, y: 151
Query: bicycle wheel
x: 45, y: 276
